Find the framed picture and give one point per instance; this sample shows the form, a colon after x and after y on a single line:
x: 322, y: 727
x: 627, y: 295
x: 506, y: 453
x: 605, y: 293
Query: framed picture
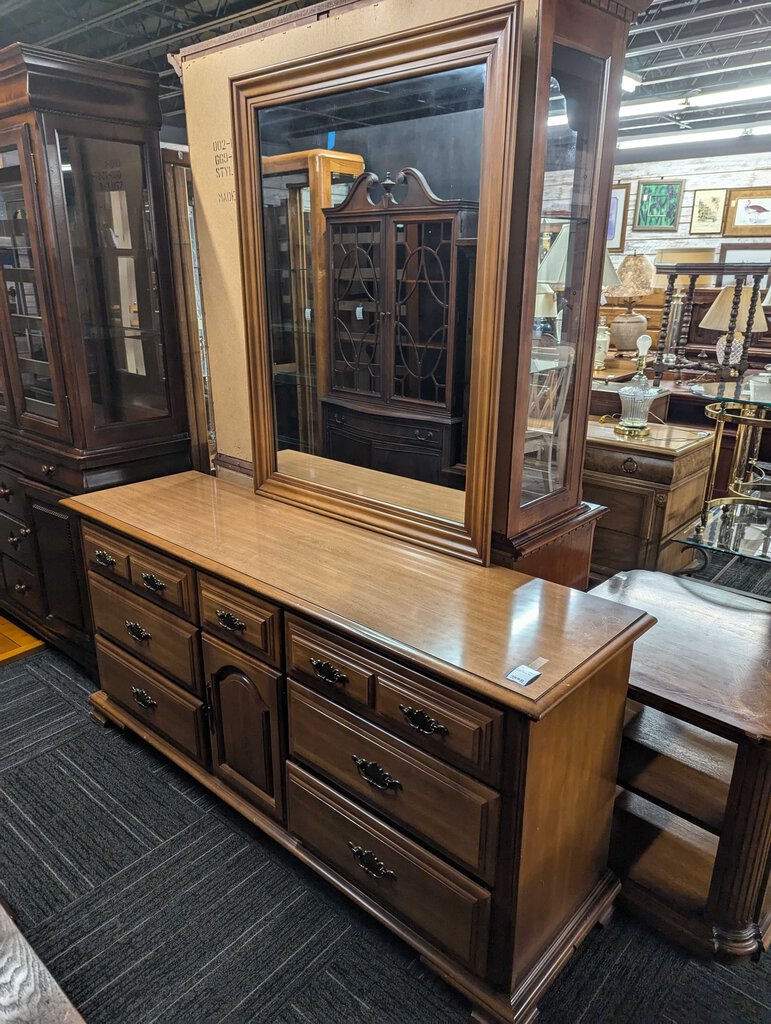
x: 658, y: 205
x: 708, y: 211
x: 619, y: 207
x: 748, y: 212
x: 684, y: 256
x: 747, y: 252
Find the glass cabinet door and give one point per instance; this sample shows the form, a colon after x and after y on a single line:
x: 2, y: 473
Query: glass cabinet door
x: 29, y: 347
x: 356, y: 250
x: 111, y: 240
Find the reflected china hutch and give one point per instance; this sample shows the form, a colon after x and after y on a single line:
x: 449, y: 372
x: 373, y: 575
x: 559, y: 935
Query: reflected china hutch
x: 91, y: 384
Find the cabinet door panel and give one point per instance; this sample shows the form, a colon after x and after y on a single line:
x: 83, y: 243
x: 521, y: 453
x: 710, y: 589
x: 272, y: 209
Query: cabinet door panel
x: 59, y: 550
x: 246, y: 732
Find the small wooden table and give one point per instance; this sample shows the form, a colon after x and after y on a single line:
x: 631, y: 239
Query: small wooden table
x: 692, y: 834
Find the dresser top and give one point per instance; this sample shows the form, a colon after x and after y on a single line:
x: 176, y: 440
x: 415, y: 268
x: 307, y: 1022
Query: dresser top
x: 666, y: 439
x: 468, y: 623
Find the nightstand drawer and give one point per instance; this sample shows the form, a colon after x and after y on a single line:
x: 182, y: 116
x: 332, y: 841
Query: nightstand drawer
x: 241, y: 618
x: 17, y: 540
x: 147, y: 695
x: 396, y: 872
x: 454, y: 812
x: 151, y: 634
x: 11, y: 495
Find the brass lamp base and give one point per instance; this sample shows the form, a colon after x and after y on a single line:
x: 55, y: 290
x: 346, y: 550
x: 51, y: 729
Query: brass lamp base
x: 619, y: 428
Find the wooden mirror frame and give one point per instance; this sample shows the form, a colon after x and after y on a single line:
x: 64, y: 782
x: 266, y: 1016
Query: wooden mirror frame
x: 489, y: 38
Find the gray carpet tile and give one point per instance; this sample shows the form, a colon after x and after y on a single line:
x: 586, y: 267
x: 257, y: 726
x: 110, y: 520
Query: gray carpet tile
x: 152, y: 902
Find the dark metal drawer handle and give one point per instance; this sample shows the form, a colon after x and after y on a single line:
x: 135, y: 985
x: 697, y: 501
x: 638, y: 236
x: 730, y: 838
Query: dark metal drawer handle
x: 21, y: 588
x: 47, y: 469
x: 104, y: 558
x: 369, y: 863
x: 422, y: 722
x: 143, y: 699
x: 229, y: 621
x: 5, y: 492
x: 16, y: 538
x: 338, y: 418
x: 376, y: 776
x: 629, y: 466
x: 138, y: 632
x: 151, y: 582
x: 421, y: 436
x: 327, y: 672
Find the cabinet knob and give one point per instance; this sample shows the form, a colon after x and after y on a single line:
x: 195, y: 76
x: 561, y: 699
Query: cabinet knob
x: 375, y: 775
x: 5, y: 492
x: 47, y: 469
x: 104, y: 558
x: 151, y: 582
x: 629, y: 465
x: 21, y: 588
x: 338, y: 417
x: 369, y: 863
x: 422, y: 722
x: 143, y: 699
x: 229, y: 621
x: 327, y: 672
x: 137, y: 631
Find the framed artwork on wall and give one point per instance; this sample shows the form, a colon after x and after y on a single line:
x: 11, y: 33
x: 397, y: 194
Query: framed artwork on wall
x: 748, y: 213
x: 744, y: 252
x: 708, y: 211
x: 619, y: 207
x: 658, y: 204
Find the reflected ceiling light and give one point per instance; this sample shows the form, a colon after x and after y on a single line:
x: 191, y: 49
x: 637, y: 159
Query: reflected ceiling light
x: 630, y: 81
x: 730, y: 96
x: 644, y: 108
x: 557, y: 119
x: 683, y: 138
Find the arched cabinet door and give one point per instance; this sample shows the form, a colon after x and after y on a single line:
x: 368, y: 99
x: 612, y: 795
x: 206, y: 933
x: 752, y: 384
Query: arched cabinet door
x: 244, y: 722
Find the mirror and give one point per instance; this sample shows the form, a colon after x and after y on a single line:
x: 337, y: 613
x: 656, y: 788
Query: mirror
x: 370, y: 201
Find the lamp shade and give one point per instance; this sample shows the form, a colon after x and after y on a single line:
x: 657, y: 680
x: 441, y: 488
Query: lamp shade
x: 718, y: 316
x: 767, y: 300
x: 609, y: 276
x: 636, y: 274
x: 545, y: 300
x: 554, y: 266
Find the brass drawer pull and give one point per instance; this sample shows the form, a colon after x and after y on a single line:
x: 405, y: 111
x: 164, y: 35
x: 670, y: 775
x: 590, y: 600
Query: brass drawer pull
x: 629, y: 465
x: 369, y: 863
x: 137, y: 632
x: 327, y: 672
x: 104, y: 558
x: 422, y: 722
x: 374, y: 775
x: 143, y: 699
x: 230, y: 621
x: 5, y: 492
x: 151, y: 582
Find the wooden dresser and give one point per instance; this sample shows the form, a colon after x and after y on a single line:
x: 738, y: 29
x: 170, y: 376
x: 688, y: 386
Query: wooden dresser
x: 652, y: 486
x: 348, y: 693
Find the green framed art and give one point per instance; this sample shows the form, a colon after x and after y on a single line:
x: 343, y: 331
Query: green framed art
x: 658, y: 204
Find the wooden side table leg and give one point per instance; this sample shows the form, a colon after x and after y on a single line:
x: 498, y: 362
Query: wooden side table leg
x: 742, y: 862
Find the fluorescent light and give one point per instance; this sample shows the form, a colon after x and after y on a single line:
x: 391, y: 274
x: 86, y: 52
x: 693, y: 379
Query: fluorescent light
x: 682, y: 138
x: 557, y: 119
x: 761, y: 129
x: 644, y: 108
x: 728, y: 97
x: 630, y: 81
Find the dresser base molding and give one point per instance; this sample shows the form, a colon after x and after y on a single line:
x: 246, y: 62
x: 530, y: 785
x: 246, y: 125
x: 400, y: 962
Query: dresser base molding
x: 489, y: 1006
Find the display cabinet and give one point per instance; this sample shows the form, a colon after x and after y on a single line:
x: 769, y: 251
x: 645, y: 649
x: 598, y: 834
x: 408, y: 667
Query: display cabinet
x: 463, y: 291
x: 91, y: 392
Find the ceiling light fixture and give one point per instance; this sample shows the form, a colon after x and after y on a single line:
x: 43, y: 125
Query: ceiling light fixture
x: 685, y: 138
x: 721, y: 98
x: 630, y: 81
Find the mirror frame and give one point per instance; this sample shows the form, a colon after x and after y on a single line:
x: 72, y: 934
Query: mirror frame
x: 490, y: 38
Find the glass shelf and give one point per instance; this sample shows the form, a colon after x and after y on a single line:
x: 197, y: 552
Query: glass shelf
x: 753, y: 389
x: 735, y: 528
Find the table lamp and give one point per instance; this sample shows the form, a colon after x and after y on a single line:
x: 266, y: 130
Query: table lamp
x: 554, y: 267
x: 718, y: 318
x: 636, y: 274
x: 637, y: 396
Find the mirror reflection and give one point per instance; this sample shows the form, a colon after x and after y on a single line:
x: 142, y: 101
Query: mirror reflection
x: 370, y: 210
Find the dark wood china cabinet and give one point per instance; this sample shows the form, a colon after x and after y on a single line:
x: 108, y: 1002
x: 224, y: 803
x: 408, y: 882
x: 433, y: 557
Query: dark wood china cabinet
x: 90, y: 392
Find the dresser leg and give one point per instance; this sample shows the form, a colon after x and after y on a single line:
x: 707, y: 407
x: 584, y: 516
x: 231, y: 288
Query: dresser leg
x: 103, y: 720
x: 742, y: 862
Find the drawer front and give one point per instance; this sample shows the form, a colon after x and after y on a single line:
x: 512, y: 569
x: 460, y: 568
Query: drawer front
x: 148, y: 696
x: 243, y: 619
x: 454, y: 812
x: 106, y: 553
x: 321, y: 656
x: 153, y: 635
x: 23, y: 587
x: 435, y: 717
x: 11, y: 495
x: 163, y: 579
x: 437, y: 900
x: 626, y: 464
x: 387, y: 428
x: 17, y: 540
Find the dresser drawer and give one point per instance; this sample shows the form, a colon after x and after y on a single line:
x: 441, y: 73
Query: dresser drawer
x: 168, y: 582
x: 454, y: 812
x: 17, y: 540
x: 148, y: 696
x: 435, y: 717
x: 150, y: 633
x: 437, y: 900
x: 245, y: 620
x: 12, y: 498
x: 23, y: 587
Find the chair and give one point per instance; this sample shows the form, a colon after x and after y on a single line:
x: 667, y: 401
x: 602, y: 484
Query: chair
x: 550, y: 386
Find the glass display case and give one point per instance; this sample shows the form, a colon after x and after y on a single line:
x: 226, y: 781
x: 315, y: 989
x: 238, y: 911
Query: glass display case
x: 91, y: 390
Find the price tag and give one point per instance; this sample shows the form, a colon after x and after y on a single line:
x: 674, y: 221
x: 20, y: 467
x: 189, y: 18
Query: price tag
x: 523, y: 675
x: 360, y: 312
x: 307, y: 312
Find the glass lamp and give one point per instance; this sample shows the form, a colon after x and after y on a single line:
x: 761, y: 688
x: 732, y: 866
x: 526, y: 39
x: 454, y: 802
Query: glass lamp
x: 718, y: 318
x: 637, y: 396
x: 636, y: 274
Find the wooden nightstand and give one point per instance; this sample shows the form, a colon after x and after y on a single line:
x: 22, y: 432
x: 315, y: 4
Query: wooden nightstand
x: 652, y: 487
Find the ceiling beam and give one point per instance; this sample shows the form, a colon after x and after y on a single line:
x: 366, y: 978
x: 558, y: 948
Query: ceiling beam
x: 700, y: 59
x: 685, y: 41
x: 658, y: 25
x: 696, y: 73
x: 97, y: 21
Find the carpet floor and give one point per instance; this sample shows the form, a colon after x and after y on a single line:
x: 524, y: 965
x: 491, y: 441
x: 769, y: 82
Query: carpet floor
x: 152, y: 903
